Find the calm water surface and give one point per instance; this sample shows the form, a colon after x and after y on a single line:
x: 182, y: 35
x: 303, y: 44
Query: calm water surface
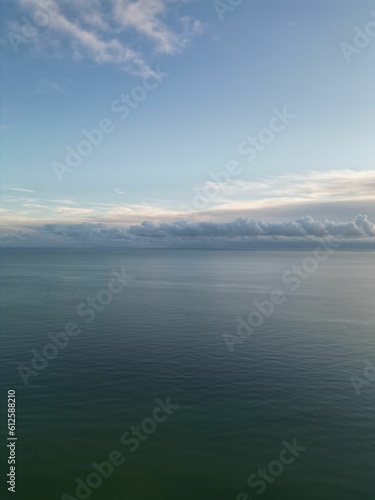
x: 163, y: 336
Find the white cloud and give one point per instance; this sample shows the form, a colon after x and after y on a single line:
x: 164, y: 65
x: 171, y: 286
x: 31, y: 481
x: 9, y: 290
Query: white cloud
x: 22, y: 190
x: 309, y: 185
x: 63, y: 201
x: 98, y: 30
x: 146, y: 17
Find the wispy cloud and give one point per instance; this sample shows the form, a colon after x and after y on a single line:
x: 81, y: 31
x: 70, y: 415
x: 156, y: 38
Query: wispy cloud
x: 75, y: 212
x: 294, y: 192
x: 45, y: 85
x: 99, y: 31
x: 63, y: 201
x: 309, y: 185
x: 336, y: 193
x: 18, y: 200
x: 147, y: 18
x: 22, y: 190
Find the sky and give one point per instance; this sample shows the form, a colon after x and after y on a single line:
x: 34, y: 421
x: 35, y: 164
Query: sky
x: 187, y: 122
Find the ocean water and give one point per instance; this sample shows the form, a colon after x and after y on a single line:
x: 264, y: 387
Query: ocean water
x: 162, y: 336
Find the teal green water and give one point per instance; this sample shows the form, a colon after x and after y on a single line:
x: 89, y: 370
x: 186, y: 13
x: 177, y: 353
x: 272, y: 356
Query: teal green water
x: 163, y: 336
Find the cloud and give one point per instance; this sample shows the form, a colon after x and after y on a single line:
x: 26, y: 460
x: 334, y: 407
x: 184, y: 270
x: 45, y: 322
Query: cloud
x: 310, y: 185
x: 239, y: 232
x: 146, y: 17
x: 22, y: 190
x: 99, y: 30
x: 319, y: 193
x: 64, y: 201
x: 243, y: 228
x: 45, y: 85
x: 18, y: 200
x: 337, y: 195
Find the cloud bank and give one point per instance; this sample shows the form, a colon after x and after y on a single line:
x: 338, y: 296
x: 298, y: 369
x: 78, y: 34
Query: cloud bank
x: 239, y: 233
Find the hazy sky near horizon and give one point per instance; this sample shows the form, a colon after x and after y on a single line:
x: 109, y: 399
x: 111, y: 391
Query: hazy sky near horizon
x: 183, y: 90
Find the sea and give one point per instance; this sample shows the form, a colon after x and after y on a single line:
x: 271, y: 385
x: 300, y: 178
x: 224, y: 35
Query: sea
x: 172, y: 374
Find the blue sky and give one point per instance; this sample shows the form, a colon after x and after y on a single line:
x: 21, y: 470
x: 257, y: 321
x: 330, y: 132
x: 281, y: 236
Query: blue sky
x: 208, y: 76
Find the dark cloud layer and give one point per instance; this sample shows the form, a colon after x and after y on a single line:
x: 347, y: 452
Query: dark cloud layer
x: 240, y: 232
